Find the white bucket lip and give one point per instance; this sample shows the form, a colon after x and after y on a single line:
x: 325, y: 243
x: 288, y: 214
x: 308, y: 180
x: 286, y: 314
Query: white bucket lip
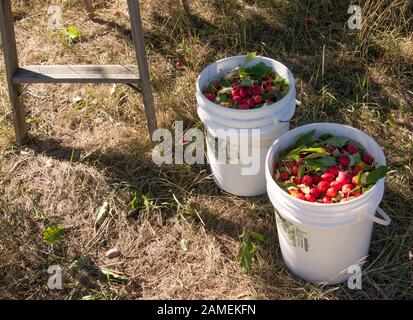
x: 315, y: 204
x: 213, y: 126
x: 291, y: 84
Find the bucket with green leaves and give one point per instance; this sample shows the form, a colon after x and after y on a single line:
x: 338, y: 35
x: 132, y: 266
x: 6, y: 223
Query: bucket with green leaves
x: 236, y: 97
x: 326, y: 182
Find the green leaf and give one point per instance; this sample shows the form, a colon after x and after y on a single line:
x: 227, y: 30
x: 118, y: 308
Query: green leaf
x: 223, y: 98
x: 321, y: 163
x: 113, y: 276
x: 337, y: 141
x: 52, y: 234
x: 325, y: 136
x: 247, y: 82
x: 301, y: 170
x: 315, y: 155
x: 266, y: 95
x: 136, y: 201
x: 294, y: 154
x: 225, y: 91
x: 257, y: 236
x: 211, y: 87
x: 354, y: 158
x: 327, y: 161
x: 73, y: 34
x: 358, y: 178
x: 305, y: 139
x: 244, y: 255
x: 248, y: 249
x: 141, y: 202
x: 225, y: 83
x: 281, y: 83
x: 314, y: 149
x: 243, y: 73
x: 260, y: 70
x: 79, y: 264
x: 250, y: 57
x: 363, y: 178
x: 336, y: 153
x: 376, y: 174
x: 313, y: 165
x: 148, y: 201
x: 281, y: 155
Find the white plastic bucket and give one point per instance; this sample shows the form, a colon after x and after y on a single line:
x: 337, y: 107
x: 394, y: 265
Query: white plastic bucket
x: 325, y: 242
x: 272, y: 120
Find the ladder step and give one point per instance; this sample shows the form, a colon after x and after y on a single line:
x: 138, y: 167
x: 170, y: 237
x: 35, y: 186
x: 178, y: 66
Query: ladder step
x: 77, y: 74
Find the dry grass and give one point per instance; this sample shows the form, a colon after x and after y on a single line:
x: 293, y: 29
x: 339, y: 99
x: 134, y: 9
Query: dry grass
x: 94, y: 150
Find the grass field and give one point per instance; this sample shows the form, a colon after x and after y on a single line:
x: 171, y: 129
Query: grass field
x: 89, y: 144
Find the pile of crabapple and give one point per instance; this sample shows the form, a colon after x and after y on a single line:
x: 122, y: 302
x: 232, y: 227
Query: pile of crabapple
x: 247, y: 88
x: 325, y: 172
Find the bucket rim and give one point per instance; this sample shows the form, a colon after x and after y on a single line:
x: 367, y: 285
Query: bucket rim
x: 291, y: 83
x: 272, y: 183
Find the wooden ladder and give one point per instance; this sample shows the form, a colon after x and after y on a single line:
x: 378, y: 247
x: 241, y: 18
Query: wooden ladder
x: 136, y: 77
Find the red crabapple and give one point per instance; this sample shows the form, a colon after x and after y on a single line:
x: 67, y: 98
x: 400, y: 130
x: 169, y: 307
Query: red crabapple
x: 331, y: 192
x: 344, y: 160
x: 367, y: 158
x: 307, y: 180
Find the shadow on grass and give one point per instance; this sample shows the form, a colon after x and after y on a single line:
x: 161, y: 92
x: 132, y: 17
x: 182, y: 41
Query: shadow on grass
x: 283, y: 34
x: 387, y: 272
x: 134, y: 168
x: 127, y: 168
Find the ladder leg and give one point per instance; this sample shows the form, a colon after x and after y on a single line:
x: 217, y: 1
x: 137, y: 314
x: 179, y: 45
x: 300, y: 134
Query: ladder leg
x: 89, y: 7
x: 11, y: 64
x: 138, y: 40
x: 185, y: 4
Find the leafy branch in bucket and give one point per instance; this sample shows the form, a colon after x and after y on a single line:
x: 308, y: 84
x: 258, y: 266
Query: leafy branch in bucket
x: 371, y: 177
x: 258, y: 71
x: 250, y: 56
x: 305, y: 139
x: 314, y: 158
x: 249, y: 247
x: 247, y: 86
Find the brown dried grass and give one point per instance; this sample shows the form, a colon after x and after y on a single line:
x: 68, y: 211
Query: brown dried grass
x: 82, y: 154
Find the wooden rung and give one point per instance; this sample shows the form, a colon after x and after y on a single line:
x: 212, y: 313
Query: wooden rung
x: 77, y: 74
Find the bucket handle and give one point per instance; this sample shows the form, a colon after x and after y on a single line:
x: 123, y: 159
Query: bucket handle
x: 288, y: 117
x: 386, y: 219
